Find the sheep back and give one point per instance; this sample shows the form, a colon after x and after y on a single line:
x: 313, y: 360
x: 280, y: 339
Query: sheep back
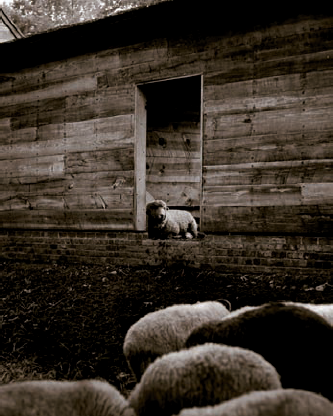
x: 200, y: 376
x: 164, y: 331
x: 54, y: 398
x: 287, y: 402
x: 325, y: 310
x: 180, y: 222
x: 297, y: 341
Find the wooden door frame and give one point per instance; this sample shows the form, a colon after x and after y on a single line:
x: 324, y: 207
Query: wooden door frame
x: 140, y: 133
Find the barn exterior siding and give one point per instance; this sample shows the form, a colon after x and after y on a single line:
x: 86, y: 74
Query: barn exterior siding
x: 268, y: 132
x: 68, y: 134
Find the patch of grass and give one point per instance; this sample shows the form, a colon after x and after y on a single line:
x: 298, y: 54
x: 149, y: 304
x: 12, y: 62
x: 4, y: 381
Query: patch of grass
x: 23, y: 370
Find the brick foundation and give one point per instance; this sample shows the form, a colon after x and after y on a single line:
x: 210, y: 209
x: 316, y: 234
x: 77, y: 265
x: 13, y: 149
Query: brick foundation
x: 249, y: 253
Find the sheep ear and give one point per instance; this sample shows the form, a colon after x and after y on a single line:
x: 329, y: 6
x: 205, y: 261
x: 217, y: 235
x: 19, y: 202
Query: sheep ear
x: 160, y: 203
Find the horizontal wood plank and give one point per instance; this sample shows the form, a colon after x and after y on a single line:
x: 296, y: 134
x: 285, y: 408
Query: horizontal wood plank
x: 47, y: 166
x: 58, y: 165
x: 268, y: 195
x: 281, y: 219
x: 215, y: 87
x: 62, y: 89
x: 123, y: 198
x: 176, y: 193
x: 278, y: 173
x: 269, y: 148
x: 102, y: 181
x: 118, y: 219
x: 283, y: 121
x: 260, y: 101
x: 116, y: 159
x: 69, y: 109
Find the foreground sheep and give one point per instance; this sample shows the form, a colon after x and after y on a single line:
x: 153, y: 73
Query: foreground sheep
x: 269, y: 403
x: 164, y: 223
x: 164, y: 331
x: 297, y: 341
x: 62, y: 398
x: 323, y: 309
x: 200, y: 376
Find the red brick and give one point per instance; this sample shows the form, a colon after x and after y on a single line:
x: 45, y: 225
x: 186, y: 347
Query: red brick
x: 242, y: 253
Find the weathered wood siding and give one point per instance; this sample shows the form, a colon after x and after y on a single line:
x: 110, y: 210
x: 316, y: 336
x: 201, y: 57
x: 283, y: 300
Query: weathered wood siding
x: 67, y: 148
x: 268, y: 149
x: 67, y: 133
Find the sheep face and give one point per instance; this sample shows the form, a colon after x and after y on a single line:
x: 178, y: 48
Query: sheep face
x: 157, y: 212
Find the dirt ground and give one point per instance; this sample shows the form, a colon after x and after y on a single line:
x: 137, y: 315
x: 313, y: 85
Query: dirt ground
x: 69, y: 321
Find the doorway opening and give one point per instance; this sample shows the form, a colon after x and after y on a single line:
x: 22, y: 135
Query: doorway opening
x: 169, y: 120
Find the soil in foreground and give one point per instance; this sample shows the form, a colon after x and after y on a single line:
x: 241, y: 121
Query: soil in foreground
x: 68, y: 321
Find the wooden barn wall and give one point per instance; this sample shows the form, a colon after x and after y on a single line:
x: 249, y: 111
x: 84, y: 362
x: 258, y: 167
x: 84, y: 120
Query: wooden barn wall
x: 67, y: 132
x: 67, y: 147
x: 268, y: 149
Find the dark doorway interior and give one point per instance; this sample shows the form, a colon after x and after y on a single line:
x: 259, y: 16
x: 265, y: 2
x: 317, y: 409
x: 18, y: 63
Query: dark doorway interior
x: 173, y: 146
